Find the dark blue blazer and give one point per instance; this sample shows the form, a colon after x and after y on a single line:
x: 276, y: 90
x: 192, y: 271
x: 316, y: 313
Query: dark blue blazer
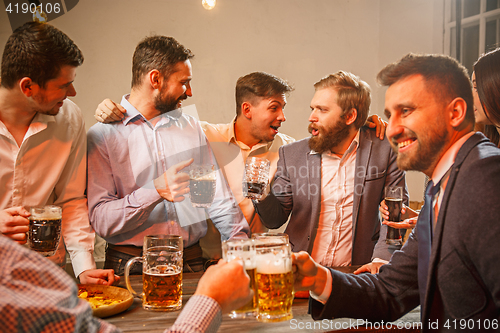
x: 464, y: 273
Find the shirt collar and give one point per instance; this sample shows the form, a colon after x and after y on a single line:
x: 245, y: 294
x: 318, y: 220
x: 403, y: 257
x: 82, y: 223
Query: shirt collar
x: 448, y: 159
x: 354, y: 144
x: 133, y: 114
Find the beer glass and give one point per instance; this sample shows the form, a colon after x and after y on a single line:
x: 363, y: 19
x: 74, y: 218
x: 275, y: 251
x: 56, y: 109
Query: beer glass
x: 44, y: 231
x: 243, y: 249
x: 161, y: 273
x: 202, y: 185
x: 255, y: 177
x: 267, y: 238
x: 394, y: 201
x: 274, y: 281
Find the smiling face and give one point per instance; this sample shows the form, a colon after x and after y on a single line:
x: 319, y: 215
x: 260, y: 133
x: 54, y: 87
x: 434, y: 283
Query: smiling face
x: 327, y: 126
x: 176, y: 88
x: 48, y: 100
x: 479, y: 113
x: 266, y: 116
x: 417, y: 127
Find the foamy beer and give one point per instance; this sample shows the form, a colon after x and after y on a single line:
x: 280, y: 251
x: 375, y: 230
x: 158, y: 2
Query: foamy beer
x: 244, y: 250
x: 274, y: 282
x: 44, y: 231
x: 268, y: 238
x: 255, y: 177
x: 161, y: 273
x: 202, y: 185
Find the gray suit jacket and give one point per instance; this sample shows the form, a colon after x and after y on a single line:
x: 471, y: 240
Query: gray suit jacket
x: 463, y: 284
x: 296, y: 190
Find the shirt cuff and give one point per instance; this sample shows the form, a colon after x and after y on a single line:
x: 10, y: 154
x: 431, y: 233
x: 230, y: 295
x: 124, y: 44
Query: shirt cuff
x: 82, y: 261
x: 325, y: 295
x: 380, y: 260
x: 201, y: 314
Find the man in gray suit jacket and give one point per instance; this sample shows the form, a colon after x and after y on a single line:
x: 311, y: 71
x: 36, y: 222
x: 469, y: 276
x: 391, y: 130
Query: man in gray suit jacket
x: 449, y: 265
x: 333, y: 182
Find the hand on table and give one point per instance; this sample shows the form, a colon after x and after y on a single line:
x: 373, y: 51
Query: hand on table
x: 380, y: 125
x: 99, y: 276
x: 372, y: 267
x: 226, y: 283
x: 14, y: 223
x: 109, y: 111
x: 173, y: 185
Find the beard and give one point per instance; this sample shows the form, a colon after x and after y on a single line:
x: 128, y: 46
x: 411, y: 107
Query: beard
x: 329, y: 138
x: 426, y: 155
x: 167, y: 103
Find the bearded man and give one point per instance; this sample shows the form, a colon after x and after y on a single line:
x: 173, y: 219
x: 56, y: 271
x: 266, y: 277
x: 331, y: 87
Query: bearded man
x: 137, y: 181
x: 332, y: 183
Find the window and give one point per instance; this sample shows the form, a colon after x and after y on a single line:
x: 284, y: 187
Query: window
x: 476, y: 31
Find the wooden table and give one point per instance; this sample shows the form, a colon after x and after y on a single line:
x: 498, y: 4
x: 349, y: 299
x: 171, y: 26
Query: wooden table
x: 136, y: 319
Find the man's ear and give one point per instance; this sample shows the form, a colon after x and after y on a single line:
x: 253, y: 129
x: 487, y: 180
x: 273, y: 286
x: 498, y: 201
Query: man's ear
x: 246, y: 110
x: 457, y: 110
x: 350, y: 117
x: 27, y: 86
x: 155, y: 78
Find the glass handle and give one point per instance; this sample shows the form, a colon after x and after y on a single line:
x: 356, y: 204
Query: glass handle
x: 127, y: 276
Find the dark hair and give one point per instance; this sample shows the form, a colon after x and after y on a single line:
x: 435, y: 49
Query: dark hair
x: 352, y: 93
x: 38, y: 51
x: 487, y: 69
x: 259, y: 84
x: 157, y: 52
x: 444, y: 77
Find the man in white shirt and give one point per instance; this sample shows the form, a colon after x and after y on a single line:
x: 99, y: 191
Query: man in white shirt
x: 329, y: 185
x: 43, y: 143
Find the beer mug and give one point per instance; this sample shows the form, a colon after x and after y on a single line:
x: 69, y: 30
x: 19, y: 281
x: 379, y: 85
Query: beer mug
x: 394, y: 201
x: 255, y: 177
x: 202, y: 185
x: 161, y: 273
x: 267, y: 238
x: 274, y: 282
x: 44, y: 231
x: 243, y: 249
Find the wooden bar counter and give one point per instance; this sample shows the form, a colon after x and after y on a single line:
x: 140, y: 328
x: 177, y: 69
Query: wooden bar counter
x: 136, y: 319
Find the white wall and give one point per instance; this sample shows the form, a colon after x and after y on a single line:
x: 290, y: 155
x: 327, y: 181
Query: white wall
x: 298, y: 40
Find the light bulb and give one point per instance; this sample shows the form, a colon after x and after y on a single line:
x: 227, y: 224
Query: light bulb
x: 208, y: 4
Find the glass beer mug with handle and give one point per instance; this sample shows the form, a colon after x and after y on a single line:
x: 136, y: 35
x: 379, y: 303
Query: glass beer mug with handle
x: 255, y: 177
x: 161, y: 273
x: 274, y: 278
x: 244, y: 250
x: 44, y: 231
x: 202, y: 184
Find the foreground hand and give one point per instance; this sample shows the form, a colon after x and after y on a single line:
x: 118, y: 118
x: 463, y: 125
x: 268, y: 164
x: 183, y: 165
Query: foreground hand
x: 380, y: 125
x: 99, y: 276
x: 372, y: 267
x: 308, y: 274
x: 174, y: 185
x: 109, y: 111
x: 14, y: 223
x: 226, y: 283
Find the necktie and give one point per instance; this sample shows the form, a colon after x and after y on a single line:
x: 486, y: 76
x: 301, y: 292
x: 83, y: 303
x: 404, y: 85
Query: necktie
x: 424, y: 229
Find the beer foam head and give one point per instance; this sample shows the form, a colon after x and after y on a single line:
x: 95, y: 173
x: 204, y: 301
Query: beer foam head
x: 271, y: 263
x: 202, y: 173
x: 46, y: 213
